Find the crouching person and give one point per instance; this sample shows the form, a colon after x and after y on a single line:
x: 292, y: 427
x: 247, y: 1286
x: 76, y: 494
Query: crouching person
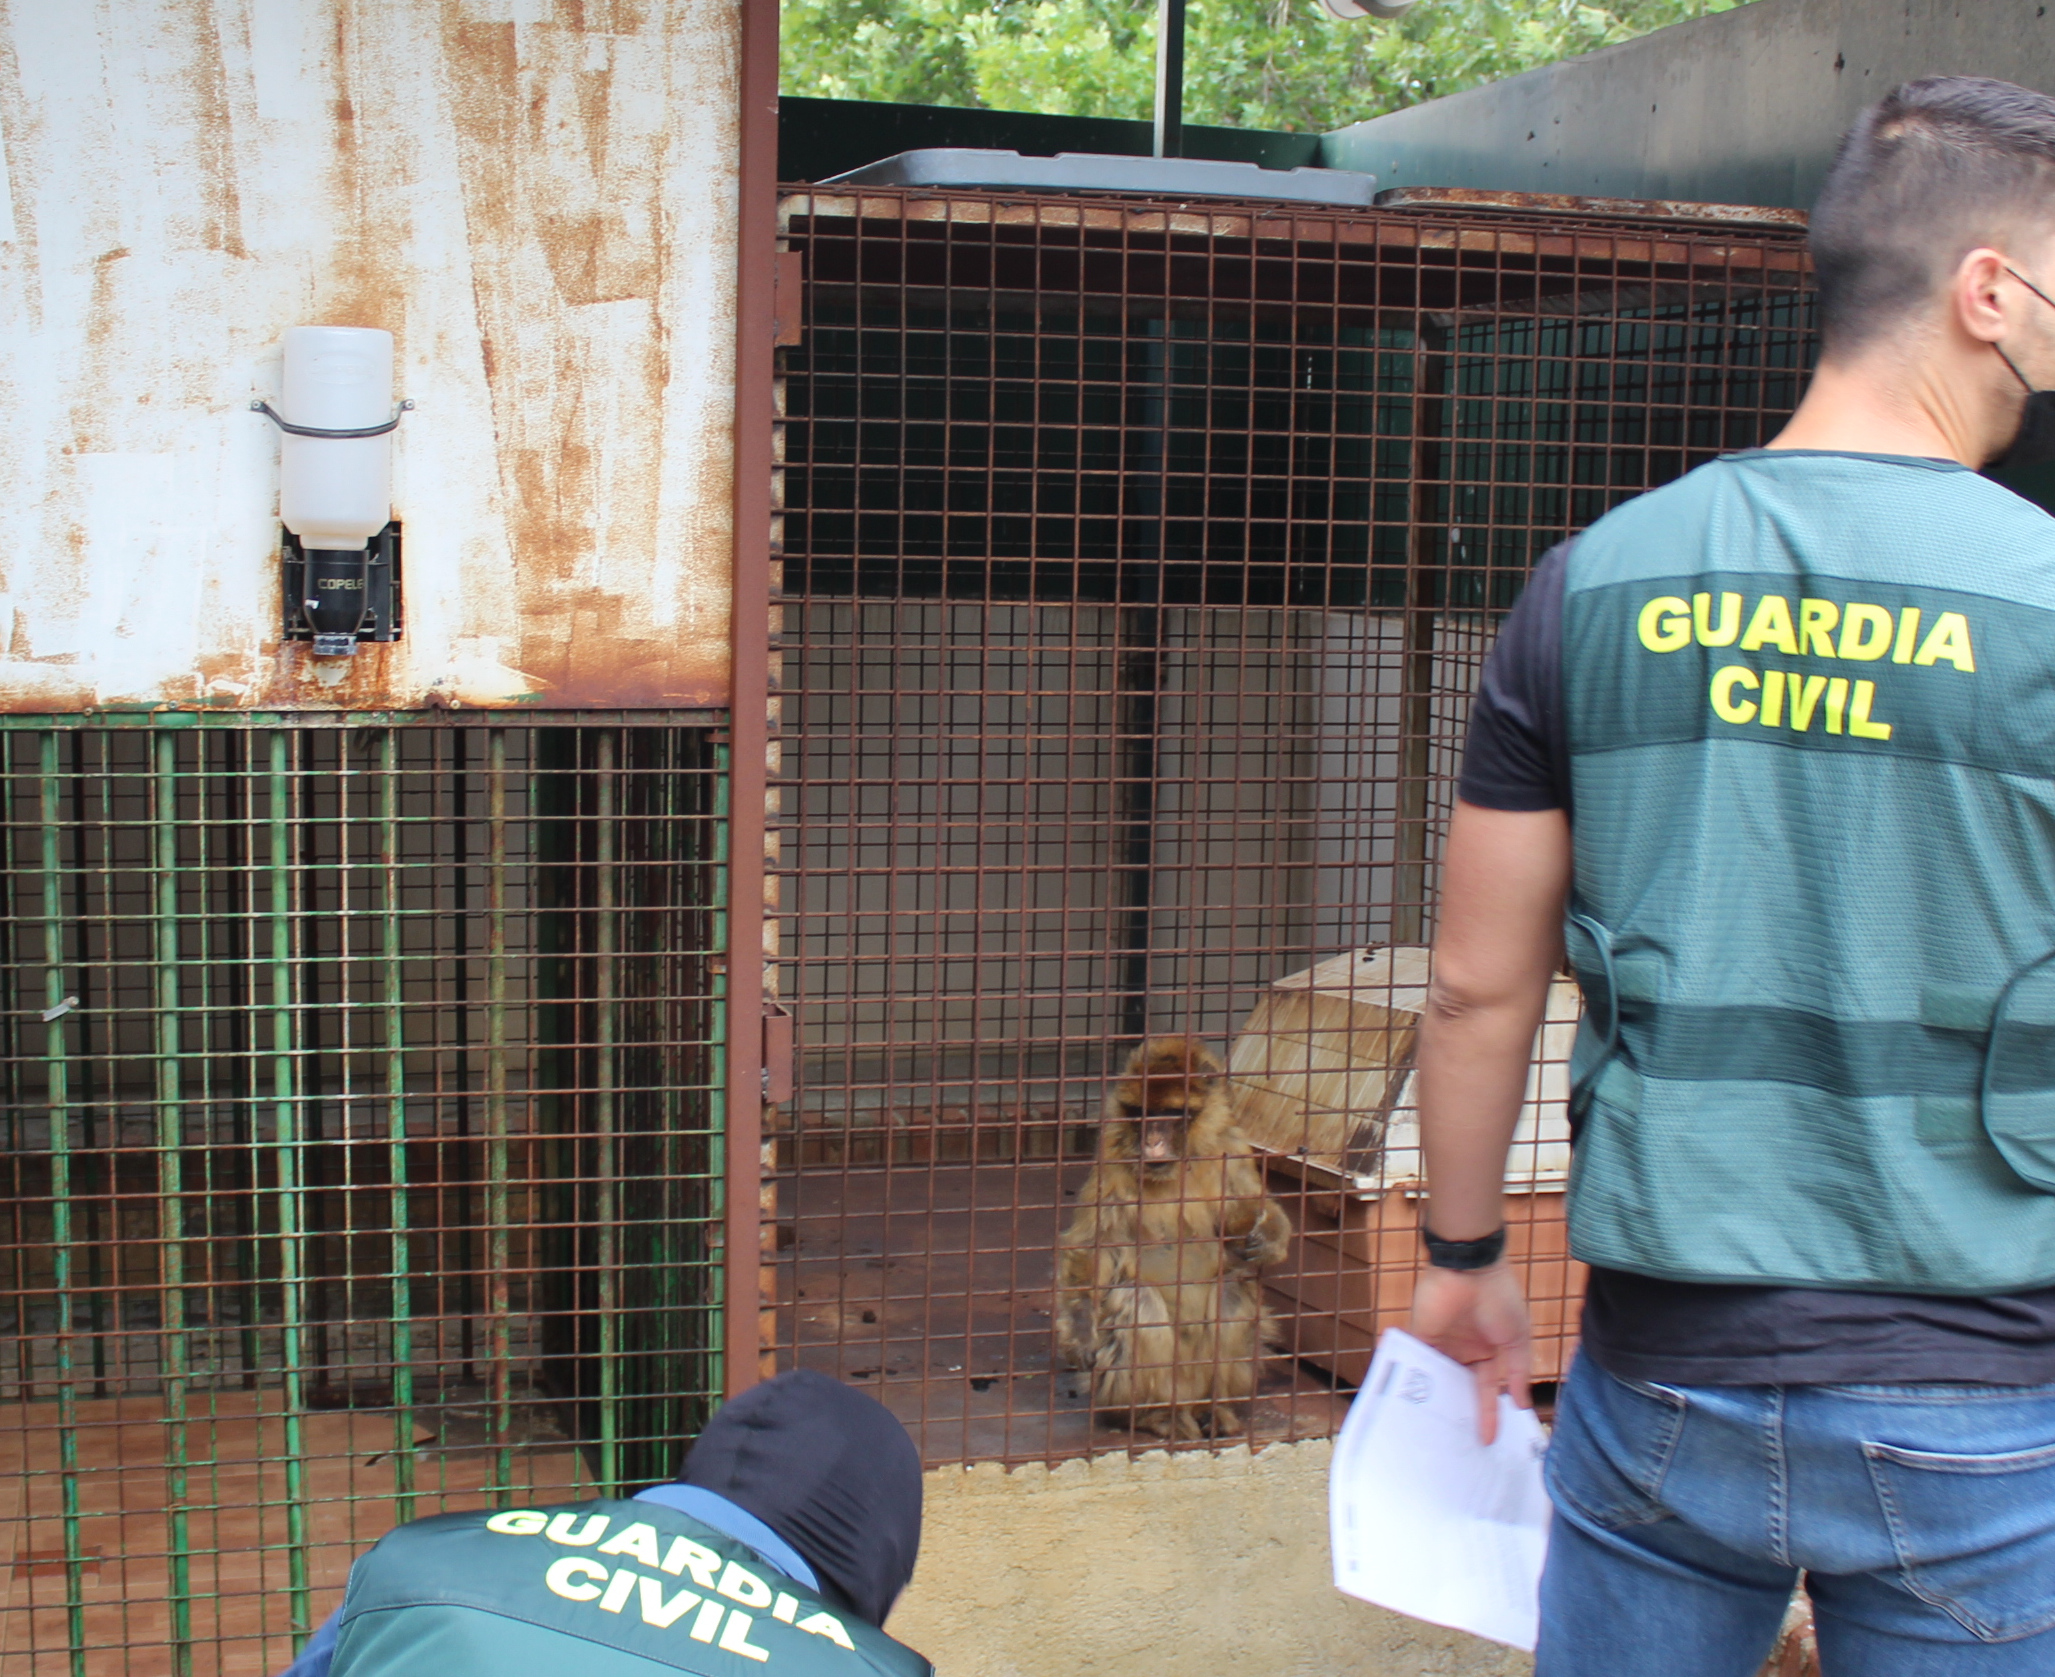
x: 780, y: 1549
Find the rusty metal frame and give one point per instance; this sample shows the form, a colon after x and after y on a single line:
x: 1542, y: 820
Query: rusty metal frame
x: 1670, y: 210
x: 752, y: 683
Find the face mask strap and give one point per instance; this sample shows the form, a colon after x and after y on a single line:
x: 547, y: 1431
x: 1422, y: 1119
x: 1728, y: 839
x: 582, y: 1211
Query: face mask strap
x: 2029, y: 284
x: 2000, y: 348
x: 2014, y: 367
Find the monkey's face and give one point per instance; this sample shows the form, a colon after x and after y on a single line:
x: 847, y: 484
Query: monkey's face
x: 1160, y: 1140
x: 1169, y: 1086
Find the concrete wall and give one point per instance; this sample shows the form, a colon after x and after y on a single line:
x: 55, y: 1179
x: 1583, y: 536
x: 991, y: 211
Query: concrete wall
x: 1162, y: 1563
x: 537, y: 197
x: 1741, y: 108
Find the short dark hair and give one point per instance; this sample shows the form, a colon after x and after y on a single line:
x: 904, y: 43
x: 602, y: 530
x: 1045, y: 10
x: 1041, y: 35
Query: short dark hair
x: 1932, y: 170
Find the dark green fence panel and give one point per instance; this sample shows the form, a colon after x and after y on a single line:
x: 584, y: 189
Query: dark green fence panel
x: 360, y: 1121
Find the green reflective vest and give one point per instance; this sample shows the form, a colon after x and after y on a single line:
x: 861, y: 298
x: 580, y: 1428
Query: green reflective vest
x: 595, y: 1589
x: 1811, y: 712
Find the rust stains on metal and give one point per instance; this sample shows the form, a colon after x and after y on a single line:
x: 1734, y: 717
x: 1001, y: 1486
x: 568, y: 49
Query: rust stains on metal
x: 220, y: 199
x: 1531, y: 229
x: 541, y: 211
x: 1557, y: 203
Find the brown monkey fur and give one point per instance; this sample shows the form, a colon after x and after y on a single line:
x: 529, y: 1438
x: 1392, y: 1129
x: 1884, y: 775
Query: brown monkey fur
x: 1157, y: 1295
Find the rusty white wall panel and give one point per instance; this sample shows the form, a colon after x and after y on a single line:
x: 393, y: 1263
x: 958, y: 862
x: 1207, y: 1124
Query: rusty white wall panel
x: 536, y: 197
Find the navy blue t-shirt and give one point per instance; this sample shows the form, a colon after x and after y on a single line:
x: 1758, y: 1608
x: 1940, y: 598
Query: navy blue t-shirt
x: 1685, y: 1333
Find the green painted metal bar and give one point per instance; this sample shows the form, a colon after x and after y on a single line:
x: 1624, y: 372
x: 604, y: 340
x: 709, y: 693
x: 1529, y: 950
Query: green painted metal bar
x: 16, y: 923
x: 56, y: 1068
x: 222, y: 1198
x: 236, y: 963
x: 92, y: 1064
x: 393, y: 1000
x: 288, y: 1117
x: 498, y: 1243
x: 171, y: 1208
x: 606, y: 1161
x: 327, y: 1080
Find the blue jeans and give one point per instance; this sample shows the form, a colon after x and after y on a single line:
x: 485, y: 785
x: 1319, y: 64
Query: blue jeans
x: 1923, y: 1518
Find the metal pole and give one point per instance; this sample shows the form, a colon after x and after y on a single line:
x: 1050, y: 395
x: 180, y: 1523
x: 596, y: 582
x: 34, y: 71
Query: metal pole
x: 171, y: 1187
x: 15, y: 923
x: 499, y: 1248
x: 399, y: 1249
x: 289, y: 1140
x: 460, y: 1022
x: 749, y: 948
x: 1169, y: 78
x: 99, y: 1165
x: 726, y: 1301
x: 1426, y: 574
x: 1137, y: 724
x: 59, y: 1106
x: 239, y: 936
x: 606, y: 1164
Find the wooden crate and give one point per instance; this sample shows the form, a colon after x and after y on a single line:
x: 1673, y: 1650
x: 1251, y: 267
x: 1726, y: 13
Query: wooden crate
x: 1322, y: 1059
x: 1322, y: 1080
x: 1355, y: 1255
x: 1323, y: 1071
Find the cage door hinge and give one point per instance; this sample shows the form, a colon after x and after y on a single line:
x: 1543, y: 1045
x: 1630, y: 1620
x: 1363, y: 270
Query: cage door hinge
x: 777, y: 1053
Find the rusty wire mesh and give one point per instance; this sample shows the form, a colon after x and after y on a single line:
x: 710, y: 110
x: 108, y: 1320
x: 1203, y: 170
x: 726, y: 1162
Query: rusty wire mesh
x: 1138, y: 562
x: 361, y: 1125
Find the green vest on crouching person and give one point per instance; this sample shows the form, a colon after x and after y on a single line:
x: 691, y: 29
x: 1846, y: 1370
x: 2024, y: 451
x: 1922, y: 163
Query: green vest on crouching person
x: 1811, y: 718
x: 600, y: 1589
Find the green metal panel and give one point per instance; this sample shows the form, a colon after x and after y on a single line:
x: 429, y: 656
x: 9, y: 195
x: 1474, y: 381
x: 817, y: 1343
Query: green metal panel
x: 360, y: 1105
x: 818, y: 138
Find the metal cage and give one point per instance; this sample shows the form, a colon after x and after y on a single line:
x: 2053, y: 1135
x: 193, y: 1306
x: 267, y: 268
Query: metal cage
x: 1139, y: 560
x: 363, y: 1136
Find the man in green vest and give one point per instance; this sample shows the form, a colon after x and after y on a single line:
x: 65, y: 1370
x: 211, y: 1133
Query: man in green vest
x: 780, y: 1551
x: 1776, y: 744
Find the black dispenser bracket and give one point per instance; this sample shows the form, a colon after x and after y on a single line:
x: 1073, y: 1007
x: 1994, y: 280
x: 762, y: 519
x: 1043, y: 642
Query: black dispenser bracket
x: 292, y: 430
x: 383, y: 618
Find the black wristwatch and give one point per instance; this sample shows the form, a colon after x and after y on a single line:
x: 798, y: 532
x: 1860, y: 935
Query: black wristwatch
x: 1481, y: 1253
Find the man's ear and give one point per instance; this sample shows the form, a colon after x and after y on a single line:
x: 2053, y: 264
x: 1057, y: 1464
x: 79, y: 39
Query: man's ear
x: 1977, y: 295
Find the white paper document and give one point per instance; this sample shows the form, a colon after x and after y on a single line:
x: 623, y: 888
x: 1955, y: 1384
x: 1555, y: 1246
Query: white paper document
x: 1425, y: 1519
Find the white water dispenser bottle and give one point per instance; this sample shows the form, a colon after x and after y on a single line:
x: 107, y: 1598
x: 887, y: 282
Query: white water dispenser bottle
x: 335, y: 472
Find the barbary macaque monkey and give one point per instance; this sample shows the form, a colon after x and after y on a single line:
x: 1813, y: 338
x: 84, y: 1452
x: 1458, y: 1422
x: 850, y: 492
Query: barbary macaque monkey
x: 1157, y: 1295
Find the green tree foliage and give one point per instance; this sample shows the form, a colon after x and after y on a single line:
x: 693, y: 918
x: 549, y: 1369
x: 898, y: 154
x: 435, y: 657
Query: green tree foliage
x: 1276, y: 64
